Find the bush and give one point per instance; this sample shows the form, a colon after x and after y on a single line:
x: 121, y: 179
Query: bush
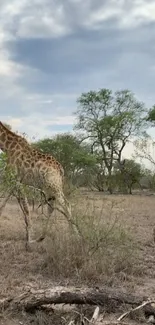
x: 105, y: 249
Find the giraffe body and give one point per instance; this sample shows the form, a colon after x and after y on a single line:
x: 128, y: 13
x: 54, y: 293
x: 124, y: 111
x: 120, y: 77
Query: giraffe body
x: 36, y: 169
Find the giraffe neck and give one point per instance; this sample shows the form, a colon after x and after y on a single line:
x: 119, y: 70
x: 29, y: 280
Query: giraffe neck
x: 9, y: 139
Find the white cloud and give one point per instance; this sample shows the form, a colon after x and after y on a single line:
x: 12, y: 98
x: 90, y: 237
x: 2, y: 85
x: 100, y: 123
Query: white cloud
x: 39, y: 99
x: 37, y: 25
x: 97, y: 17
x: 144, y: 10
x: 12, y: 8
x: 14, y: 122
x: 19, y: 18
x: 51, y: 18
x: 140, y: 12
x: 35, y: 19
x: 10, y: 74
x: 36, y: 126
x: 128, y: 14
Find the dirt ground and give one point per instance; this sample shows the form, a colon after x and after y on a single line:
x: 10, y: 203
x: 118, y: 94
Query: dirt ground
x: 20, y: 269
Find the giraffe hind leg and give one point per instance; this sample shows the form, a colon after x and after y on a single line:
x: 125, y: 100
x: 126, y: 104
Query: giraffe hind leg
x: 50, y: 209
x: 64, y: 207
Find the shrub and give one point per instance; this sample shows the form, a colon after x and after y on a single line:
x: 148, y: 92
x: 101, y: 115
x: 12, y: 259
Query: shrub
x: 104, y: 249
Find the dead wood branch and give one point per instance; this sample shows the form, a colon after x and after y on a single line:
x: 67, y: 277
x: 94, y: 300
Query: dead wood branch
x: 131, y: 311
x: 111, y: 323
x: 107, y: 297
x: 95, y: 315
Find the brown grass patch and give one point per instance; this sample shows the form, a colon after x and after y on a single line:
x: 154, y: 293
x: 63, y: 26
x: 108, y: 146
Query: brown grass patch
x: 115, y: 247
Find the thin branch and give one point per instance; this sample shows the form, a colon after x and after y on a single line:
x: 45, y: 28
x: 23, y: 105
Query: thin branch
x: 144, y: 304
x: 95, y: 315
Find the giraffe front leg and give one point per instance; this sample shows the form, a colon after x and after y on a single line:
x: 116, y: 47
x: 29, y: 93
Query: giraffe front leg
x: 22, y: 200
x: 5, y: 202
x: 66, y: 211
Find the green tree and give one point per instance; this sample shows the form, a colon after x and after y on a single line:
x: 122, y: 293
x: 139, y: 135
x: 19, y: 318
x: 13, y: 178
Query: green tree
x: 109, y: 121
x: 2, y: 165
x: 128, y: 174
x: 151, y: 116
x: 148, y: 179
x: 68, y: 150
x: 145, y: 149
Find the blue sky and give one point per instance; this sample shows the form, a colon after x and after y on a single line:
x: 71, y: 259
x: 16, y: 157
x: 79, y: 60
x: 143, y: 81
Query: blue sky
x: 52, y: 50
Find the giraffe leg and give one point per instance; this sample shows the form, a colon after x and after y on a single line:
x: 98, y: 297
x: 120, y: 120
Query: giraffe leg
x: 23, y: 202
x: 50, y: 209
x: 65, y: 209
x: 5, y: 202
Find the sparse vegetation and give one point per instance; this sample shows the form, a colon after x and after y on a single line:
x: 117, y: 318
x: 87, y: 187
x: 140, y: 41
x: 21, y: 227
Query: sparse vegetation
x: 114, y: 246
x: 104, y: 249
x: 115, y: 250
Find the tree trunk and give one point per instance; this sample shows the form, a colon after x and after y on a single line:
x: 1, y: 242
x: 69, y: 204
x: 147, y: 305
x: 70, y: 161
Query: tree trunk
x: 110, y: 185
x: 110, y: 181
x: 110, y: 189
x: 110, y: 298
x: 130, y: 189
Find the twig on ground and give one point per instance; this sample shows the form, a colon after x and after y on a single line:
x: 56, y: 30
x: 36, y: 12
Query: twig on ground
x: 145, y: 303
x: 71, y: 322
x: 95, y: 315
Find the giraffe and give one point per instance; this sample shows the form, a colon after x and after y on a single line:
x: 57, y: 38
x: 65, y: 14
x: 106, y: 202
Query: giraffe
x: 33, y: 167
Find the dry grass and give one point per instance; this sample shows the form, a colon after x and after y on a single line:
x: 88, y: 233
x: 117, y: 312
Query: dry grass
x: 115, y: 247
x: 104, y: 249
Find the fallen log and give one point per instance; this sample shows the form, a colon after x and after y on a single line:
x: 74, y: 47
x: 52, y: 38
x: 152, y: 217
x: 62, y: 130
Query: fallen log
x: 107, y: 297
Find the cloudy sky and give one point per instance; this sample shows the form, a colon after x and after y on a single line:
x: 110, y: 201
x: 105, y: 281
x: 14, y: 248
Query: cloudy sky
x: 52, y: 50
